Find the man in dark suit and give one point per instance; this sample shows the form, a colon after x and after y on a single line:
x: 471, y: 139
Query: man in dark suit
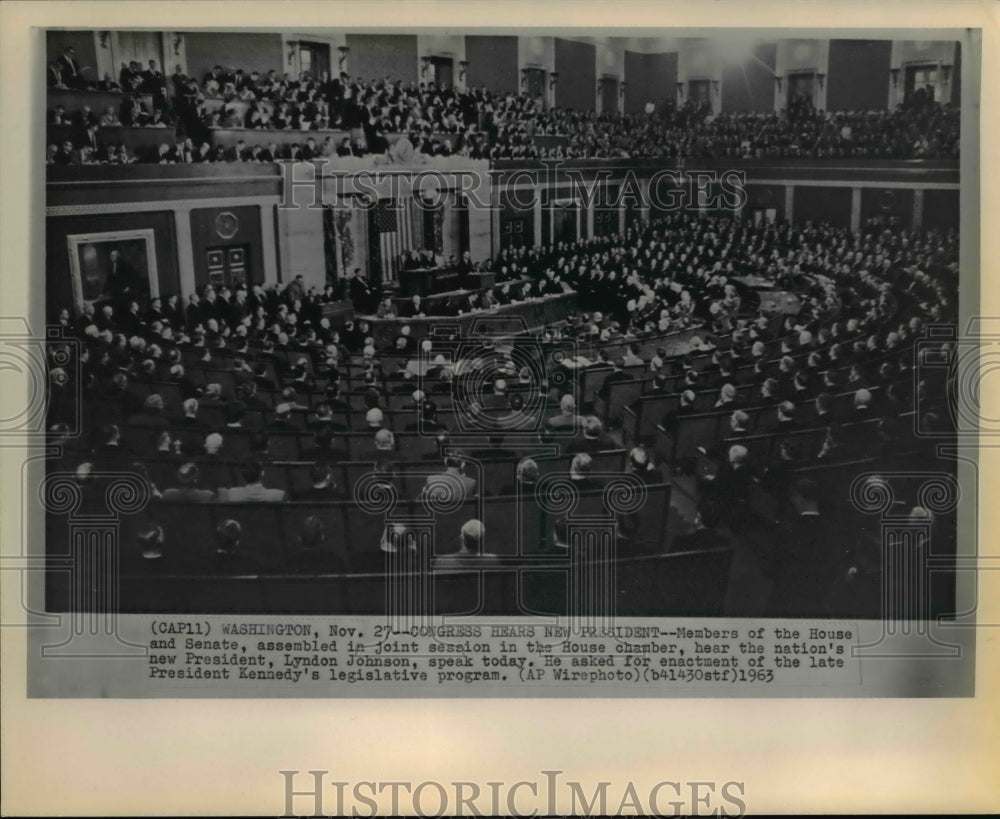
x: 453, y: 482
x: 362, y: 293
x: 802, y: 564
x: 228, y: 559
x: 617, y: 375
x: 730, y: 487
x: 187, y: 487
x: 152, y: 415
x: 70, y: 70
x: 671, y: 420
x: 323, y: 450
x: 593, y: 440
x: 323, y: 488
x: 122, y: 281
x: 465, y: 266
x: 705, y: 534
x: 312, y: 555
x: 324, y: 419
x: 567, y: 419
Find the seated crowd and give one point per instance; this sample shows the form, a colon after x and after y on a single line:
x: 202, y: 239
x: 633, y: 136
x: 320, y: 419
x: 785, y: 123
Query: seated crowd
x: 203, y: 398
x: 437, y: 120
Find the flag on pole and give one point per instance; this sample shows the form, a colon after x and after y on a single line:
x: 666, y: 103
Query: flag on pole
x: 393, y: 226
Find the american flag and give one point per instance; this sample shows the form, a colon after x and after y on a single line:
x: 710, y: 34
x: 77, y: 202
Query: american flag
x: 393, y: 223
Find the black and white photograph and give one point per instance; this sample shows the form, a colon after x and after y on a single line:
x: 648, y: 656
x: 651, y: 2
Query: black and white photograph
x: 521, y: 325
x: 540, y: 370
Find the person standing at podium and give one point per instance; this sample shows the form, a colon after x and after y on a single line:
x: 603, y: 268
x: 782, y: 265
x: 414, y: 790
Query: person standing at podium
x: 412, y: 261
x: 465, y: 267
x: 362, y: 293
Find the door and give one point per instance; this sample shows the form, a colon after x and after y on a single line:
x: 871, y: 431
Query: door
x: 801, y: 90
x: 699, y: 92
x: 564, y: 223
x: 605, y: 221
x: 609, y: 96
x: 140, y: 46
x: 228, y: 266
x: 515, y: 232
x: 534, y: 82
x: 921, y: 80
x: 444, y: 68
x: 314, y: 58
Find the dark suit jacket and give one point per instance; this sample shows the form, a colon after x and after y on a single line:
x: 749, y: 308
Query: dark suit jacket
x: 615, y: 377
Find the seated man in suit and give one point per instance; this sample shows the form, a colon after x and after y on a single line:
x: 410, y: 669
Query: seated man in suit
x: 311, y: 555
x: 228, y: 559
x: 253, y: 488
x: 801, y: 563
x: 415, y: 308
x: 730, y: 486
x: 470, y: 554
x: 727, y: 397
x: 282, y: 420
x: 152, y: 415
x: 632, y: 357
x: 640, y: 465
x: 386, y: 309
x: 428, y: 421
x: 706, y: 533
x: 153, y: 558
x: 324, y: 419
x: 618, y: 374
x: 567, y: 420
x: 580, y: 469
x: 786, y: 417
x: 593, y: 440
x: 187, y: 487
x: 324, y: 487
x: 489, y: 300
x: 671, y: 420
x: 323, y: 450
x: 452, y: 483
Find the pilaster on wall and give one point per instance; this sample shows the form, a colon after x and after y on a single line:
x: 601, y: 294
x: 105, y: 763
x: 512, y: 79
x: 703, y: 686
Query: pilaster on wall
x: 301, y: 244
x: 104, y: 49
x: 268, y: 243
x: 918, y: 210
x: 789, y: 203
x: 855, y: 209
x: 185, y: 249
x: 609, y: 61
x: 174, y: 53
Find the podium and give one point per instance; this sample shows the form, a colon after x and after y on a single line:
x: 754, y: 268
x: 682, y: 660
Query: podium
x: 418, y: 281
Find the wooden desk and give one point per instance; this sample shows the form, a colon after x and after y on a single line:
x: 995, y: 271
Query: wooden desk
x: 509, y: 319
